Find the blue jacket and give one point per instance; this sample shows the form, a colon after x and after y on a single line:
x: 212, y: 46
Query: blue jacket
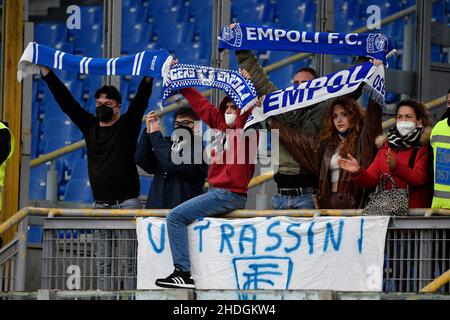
x: 172, y: 184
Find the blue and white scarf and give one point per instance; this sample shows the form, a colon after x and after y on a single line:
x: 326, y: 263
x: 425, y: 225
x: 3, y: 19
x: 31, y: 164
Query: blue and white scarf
x: 240, y: 90
x: 253, y: 37
x: 321, y: 89
x: 152, y: 63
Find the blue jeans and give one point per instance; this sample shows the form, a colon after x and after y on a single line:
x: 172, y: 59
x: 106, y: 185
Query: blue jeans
x: 281, y: 202
x: 115, y: 252
x: 213, y: 203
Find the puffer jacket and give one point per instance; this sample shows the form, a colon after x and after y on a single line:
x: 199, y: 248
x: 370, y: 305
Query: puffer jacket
x: 306, y: 150
x: 415, y: 178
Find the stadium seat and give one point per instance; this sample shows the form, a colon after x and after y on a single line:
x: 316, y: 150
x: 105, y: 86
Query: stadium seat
x: 62, y: 129
x: 182, y: 33
x: 91, y: 15
x: 79, y: 190
x: 134, y: 15
x: 35, y: 234
x: 80, y: 169
x: 50, y: 33
x: 90, y: 85
x: 52, y: 110
x: 146, y: 183
x: 135, y: 38
x: 37, y: 190
x: 87, y: 37
x: 65, y: 162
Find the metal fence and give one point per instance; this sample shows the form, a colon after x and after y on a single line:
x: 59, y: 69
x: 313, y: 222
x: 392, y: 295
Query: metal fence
x: 103, y: 254
x: 100, y: 252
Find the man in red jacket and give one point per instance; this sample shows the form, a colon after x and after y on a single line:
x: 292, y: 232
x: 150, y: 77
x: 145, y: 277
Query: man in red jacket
x: 232, y: 167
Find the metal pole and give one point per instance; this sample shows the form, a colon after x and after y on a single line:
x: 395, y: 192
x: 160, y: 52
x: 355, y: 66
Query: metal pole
x: 221, y: 17
x: 408, y: 47
x: 324, y: 23
x: 112, y: 24
x: 27, y: 85
x: 21, y: 266
x: 52, y: 183
x: 423, y: 48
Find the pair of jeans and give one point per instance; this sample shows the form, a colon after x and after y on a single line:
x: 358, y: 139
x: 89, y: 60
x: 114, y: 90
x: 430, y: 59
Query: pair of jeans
x: 213, y: 203
x: 282, y: 202
x: 115, y: 252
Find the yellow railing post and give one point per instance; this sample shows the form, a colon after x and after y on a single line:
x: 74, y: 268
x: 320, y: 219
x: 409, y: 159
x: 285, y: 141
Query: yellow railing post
x: 12, y: 103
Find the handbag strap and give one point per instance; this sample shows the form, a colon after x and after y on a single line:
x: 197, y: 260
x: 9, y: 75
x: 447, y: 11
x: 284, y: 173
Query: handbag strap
x: 382, y: 182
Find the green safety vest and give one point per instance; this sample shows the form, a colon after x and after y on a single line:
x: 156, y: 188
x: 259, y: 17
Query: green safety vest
x: 440, y: 141
x: 3, y: 165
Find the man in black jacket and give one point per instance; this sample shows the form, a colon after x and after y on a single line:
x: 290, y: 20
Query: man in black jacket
x: 173, y: 183
x: 111, y: 140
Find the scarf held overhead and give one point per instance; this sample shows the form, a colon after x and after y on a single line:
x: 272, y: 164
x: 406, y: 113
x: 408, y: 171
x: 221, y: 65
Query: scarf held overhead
x: 253, y: 37
x: 152, y: 63
x: 315, y: 91
x: 240, y: 90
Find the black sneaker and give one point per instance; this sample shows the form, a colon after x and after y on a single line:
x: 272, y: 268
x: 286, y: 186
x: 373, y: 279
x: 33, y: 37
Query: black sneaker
x: 178, y: 279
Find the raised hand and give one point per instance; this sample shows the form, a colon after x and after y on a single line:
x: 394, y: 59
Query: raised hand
x: 376, y: 62
x: 44, y: 70
x: 351, y: 164
x: 245, y: 74
x: 152, y: 122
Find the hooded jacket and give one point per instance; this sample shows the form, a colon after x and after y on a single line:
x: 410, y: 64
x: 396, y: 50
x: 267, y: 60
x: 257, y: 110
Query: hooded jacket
x: 416, y: 179
x: 305, y: 149
x: 234, y: 176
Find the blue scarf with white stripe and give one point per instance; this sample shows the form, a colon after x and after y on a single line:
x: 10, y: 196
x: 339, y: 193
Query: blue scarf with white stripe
x: 253, y: 37
x: 152, y: 63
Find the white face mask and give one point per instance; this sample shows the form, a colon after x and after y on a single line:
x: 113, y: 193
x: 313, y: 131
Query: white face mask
x: 405, y: 127
x: 230, y: 119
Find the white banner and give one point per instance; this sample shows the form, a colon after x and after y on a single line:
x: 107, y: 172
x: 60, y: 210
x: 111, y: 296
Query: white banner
x: 323, y: 253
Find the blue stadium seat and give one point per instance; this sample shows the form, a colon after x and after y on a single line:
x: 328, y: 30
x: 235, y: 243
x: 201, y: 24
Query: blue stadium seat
x: 295, y: 15
x: 436, y: 53
x: 134, y: 15
x: 156, y: 96
x: 146, y: 183
x: 253, y: 12
x: 79, y: 190
x: 182, y: 33
x: 135, y: 38
x: 65, y: 47
x: 38, y: 182
x: 87, y: 37
x: 90, y: 85
x: 37, y: 190
x: 65, y: 162
x: 52, y: 110
x: 35, y: 234
x: 347, y: 9
x: 91, y: 15
x: 439, y: 12
x: 282, y: 78
x: 80, y: 169
x: 50, y: 33
x: 62, y: 129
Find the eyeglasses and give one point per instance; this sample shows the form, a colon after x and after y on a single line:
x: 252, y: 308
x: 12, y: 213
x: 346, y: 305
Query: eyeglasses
x: 184, y: 123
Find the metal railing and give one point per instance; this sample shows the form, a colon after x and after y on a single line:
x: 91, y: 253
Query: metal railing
x: 100, y: 247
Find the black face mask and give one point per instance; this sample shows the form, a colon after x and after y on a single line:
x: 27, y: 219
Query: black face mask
x: 104, y: 113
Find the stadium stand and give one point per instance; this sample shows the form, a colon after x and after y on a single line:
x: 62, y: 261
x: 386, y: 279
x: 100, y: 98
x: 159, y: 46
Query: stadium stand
x: 144, y: 27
